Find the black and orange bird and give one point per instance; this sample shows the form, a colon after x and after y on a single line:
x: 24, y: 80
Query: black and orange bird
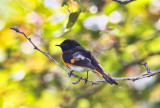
x: 78, y: 59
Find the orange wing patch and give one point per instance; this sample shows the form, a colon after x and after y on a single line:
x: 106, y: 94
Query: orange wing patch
x: 73, y: 60
x: 98, y: 72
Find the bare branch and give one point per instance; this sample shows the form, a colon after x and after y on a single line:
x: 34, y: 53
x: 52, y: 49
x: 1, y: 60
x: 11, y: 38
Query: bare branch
x: 133, y: 78
x: 148, y: 74
x: 147, y: 68
x: 35, y: 47
x: 123, y: 1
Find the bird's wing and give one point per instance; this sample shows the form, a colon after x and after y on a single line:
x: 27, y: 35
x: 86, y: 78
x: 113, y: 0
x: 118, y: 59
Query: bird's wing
x: 95, y: 63
x: 84, y: 58
x: 80, y: 60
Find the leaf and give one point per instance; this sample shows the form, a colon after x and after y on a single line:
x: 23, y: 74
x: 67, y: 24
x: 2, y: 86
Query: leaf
x: 72, y: 19
x: 1, y: 102
x: 64, y: 2
x: 123, y: 2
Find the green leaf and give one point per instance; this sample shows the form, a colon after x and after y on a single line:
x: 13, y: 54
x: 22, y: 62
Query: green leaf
x: 72, y: 19
x: 1, y: 102
x: 64, y: 2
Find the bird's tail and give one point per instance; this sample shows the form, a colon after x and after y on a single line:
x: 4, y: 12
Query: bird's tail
x: 109, y: 79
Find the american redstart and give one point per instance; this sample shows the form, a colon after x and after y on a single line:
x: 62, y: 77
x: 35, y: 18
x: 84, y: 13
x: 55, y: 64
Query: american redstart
x: 77, y: 58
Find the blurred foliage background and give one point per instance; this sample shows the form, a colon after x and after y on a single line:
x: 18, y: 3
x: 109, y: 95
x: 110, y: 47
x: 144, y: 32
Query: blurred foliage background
x: 120, y: 37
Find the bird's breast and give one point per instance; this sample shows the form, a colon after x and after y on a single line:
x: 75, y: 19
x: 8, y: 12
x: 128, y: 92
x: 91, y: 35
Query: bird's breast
x: 78, y: 68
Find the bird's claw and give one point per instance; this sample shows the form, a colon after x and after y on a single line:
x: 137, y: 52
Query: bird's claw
x: 86, y: 80
x: 70, y: 73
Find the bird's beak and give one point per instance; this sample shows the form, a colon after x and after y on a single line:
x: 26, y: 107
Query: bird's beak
x: 58, y: 45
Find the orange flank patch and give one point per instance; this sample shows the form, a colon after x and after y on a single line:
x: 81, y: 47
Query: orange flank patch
x: 67, y: 64
x: 98, y: 72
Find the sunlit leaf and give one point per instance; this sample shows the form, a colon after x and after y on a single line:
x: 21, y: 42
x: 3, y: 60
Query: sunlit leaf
x: 72, y: 19
x: 1, y: 102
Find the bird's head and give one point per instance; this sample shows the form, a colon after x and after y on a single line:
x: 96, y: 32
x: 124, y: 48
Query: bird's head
x: 68, y: 44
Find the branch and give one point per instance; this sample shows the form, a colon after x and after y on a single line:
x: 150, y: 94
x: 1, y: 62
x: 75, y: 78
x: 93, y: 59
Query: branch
x: 146, y: 66
x: 123, y: 1
x: 148, y: 74
x: 126, y: 65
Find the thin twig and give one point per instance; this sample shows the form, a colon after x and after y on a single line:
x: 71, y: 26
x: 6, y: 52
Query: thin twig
x: 146, y: 66
x: 148, y: 74
x: 126, y: 65
x: 35, y: 47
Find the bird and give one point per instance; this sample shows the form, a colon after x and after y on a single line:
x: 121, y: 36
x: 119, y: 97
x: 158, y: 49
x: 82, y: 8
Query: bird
x: 79, y: 59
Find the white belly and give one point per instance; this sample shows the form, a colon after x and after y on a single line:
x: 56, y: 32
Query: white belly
x: 78, y: 68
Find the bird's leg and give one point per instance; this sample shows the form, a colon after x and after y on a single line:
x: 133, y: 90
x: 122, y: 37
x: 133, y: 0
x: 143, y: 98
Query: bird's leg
x: 70, y: 73
x: 86, y: 79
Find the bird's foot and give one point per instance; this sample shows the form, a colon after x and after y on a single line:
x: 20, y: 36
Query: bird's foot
x: 70, y: 73
x: 86, y: 80
x: 79, y: 79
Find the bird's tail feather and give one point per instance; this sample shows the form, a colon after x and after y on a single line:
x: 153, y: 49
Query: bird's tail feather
x: 109, y: 79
